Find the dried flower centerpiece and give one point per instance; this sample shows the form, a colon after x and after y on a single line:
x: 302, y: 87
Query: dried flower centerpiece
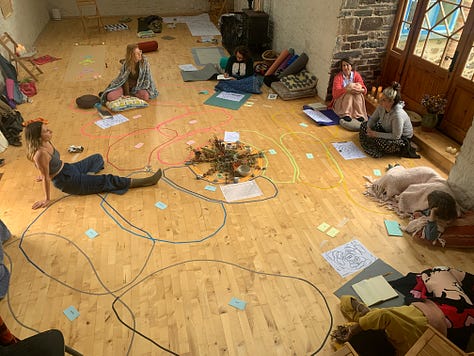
x: 226, y: 162
x: 434, y: 104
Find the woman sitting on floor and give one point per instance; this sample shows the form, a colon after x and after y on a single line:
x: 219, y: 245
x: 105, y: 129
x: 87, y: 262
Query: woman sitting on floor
x: 389, y: 129
x: 348, y: 92
x: 72, y: 178
x: 239, y: 74
x: 134, y: 79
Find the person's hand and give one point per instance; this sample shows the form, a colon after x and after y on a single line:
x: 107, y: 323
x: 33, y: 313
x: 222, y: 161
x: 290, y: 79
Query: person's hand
x: 41, y: 204
x: 370, y: 132
x: 356, y: 88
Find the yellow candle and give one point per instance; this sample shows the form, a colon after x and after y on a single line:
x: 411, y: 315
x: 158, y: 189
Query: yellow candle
x: 373, y: 91
x: 379, y: 90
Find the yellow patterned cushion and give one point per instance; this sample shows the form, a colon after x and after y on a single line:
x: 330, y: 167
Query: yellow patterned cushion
x: 126, y: 103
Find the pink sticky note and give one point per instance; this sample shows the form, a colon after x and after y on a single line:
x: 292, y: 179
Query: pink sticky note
x: 138, y: 145
x: 190, y: 142
x: 193, y: 121
x: 137, y: 116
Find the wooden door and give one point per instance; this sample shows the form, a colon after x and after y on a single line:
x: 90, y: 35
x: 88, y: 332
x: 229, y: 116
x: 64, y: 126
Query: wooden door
x: 431, y: 52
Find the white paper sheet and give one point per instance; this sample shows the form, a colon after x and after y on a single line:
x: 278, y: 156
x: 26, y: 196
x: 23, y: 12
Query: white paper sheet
x: 230, y: 136
x: 240, y: 191
x: 348, y: 150
x: 317, y: 116
x: 349, y: 258
x: 114, y: 120
x: 230, y: 96
x: 187, y: 67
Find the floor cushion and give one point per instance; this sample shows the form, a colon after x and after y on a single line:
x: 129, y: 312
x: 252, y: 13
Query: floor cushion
x: 126, y: 103
x: 148, y: 46
x: 285, y: 94
x: 300, y: 81
x: 459, y: 234
x: 352, y: 125
x: 87, y: 101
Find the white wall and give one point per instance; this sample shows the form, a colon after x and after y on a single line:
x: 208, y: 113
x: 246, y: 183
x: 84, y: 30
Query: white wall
x: 68, y: 8
x: 27, y: 21
x: 309, y: 26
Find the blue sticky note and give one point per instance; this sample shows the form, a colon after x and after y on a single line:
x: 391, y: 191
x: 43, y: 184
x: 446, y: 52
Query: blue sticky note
x: 210, y: 188
x: 71, y: 313
x: 393, y: 228
x: 377, y: 172
x: 204, y: 92
x: 237, y: 303
x: 91, y: 233
x: 161, y: 205
x: 303, y: 124
x: 272, y: 151
x: 309, y: 156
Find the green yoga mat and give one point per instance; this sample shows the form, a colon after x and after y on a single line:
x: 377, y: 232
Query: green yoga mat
x: 376, y: 268
x: 215, y: 100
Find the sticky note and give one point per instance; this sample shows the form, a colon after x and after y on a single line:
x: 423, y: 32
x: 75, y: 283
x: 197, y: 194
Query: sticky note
x: 91, y: 233
x: 161, y: 205
x: 323, y: 227
x: 272, y: 151
x: 332, y: 232
x: 204, y: 92
x: 136, y: 116
x: 210, y: 188
x: 71, y: 313
x: 303, y: 124
x: 237, y: 303
x: 190, y: 142
x: 309, y: 156
x: 377, y: 172
x: 193, y: 122
x: 393, y: 228
x: 138, y: 145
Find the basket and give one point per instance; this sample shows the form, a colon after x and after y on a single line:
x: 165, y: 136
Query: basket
x: 269, y: 55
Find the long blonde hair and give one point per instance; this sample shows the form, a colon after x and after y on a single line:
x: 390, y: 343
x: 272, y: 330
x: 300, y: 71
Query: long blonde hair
x: 33, y: 138
x: 130, y: 58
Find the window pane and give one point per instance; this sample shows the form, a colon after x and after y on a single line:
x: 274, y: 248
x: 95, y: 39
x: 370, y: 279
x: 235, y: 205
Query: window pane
x: 468, y: 71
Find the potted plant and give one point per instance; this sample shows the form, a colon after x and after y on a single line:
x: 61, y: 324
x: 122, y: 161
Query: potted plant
x: 434, y: 105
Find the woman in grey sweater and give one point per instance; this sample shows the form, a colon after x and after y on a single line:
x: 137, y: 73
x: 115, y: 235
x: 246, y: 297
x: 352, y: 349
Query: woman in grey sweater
x: 389, y: 129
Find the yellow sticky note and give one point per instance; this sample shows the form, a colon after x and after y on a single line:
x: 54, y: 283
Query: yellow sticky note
x: 323, y: 227
x: 332, y: 232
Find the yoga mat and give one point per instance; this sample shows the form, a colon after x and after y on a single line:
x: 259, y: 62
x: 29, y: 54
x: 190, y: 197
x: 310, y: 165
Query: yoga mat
x: 376, y: 268
x: 215, y: 100
x: 205, y: 55
x: 205, y: 73
x: 86, y: 63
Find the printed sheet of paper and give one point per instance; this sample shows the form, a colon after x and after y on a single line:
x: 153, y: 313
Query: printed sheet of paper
x: 231, y: 136
x: 240, y: 191
x: 348, y: 150
x: 317, y: 116
x: 349, y: 258
x: 187, y: 67
x: 230, y: 96
x: 114, y: 120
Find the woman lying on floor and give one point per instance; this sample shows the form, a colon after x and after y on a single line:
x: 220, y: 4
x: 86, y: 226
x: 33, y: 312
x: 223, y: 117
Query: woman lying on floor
x: 239, y: 74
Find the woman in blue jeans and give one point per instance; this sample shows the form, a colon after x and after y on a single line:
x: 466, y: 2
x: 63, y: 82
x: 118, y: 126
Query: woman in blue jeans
x: 72, y: 178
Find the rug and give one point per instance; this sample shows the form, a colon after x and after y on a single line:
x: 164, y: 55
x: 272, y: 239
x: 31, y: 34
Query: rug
x: 206, y: 73
x: 86, y: 63
x: 227, y: 100
x: 376, y: 268
x: 44, y: 59
x: 205, y: 55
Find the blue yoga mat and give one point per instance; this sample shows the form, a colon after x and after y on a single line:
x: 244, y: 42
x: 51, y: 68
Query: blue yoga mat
x: 214, y: 100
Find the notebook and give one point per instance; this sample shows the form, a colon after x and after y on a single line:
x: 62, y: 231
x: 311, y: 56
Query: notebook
x: 374, y: 290
x: 393, y: 228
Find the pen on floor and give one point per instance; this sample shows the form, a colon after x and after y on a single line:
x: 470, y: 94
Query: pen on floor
x: 387, y: 274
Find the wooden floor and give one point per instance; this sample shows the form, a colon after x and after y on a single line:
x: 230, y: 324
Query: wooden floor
x: 169, y: 274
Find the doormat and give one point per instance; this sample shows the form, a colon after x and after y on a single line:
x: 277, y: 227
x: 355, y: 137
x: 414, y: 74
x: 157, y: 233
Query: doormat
x: 205, y: 55
x: 227, y: 100
x: 86, y: 63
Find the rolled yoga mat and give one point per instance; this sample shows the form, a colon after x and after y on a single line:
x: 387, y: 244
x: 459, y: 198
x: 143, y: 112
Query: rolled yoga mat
x: 281, y: 57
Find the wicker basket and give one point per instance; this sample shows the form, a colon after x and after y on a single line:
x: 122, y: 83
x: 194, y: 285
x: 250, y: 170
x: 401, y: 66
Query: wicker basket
x: 269, y: 56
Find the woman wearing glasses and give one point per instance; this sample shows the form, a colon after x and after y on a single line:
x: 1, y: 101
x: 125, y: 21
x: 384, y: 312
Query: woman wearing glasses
x: 389, y: 129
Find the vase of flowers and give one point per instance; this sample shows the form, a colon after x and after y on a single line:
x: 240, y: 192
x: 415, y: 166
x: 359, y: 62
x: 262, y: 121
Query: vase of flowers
x: 434, y: 105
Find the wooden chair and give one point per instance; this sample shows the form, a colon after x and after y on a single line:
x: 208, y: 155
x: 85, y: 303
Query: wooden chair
x: 88, y: 11
x: 10, y: 46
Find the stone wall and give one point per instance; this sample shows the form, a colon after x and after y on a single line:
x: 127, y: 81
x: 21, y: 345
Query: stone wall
x: 364, y: 29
